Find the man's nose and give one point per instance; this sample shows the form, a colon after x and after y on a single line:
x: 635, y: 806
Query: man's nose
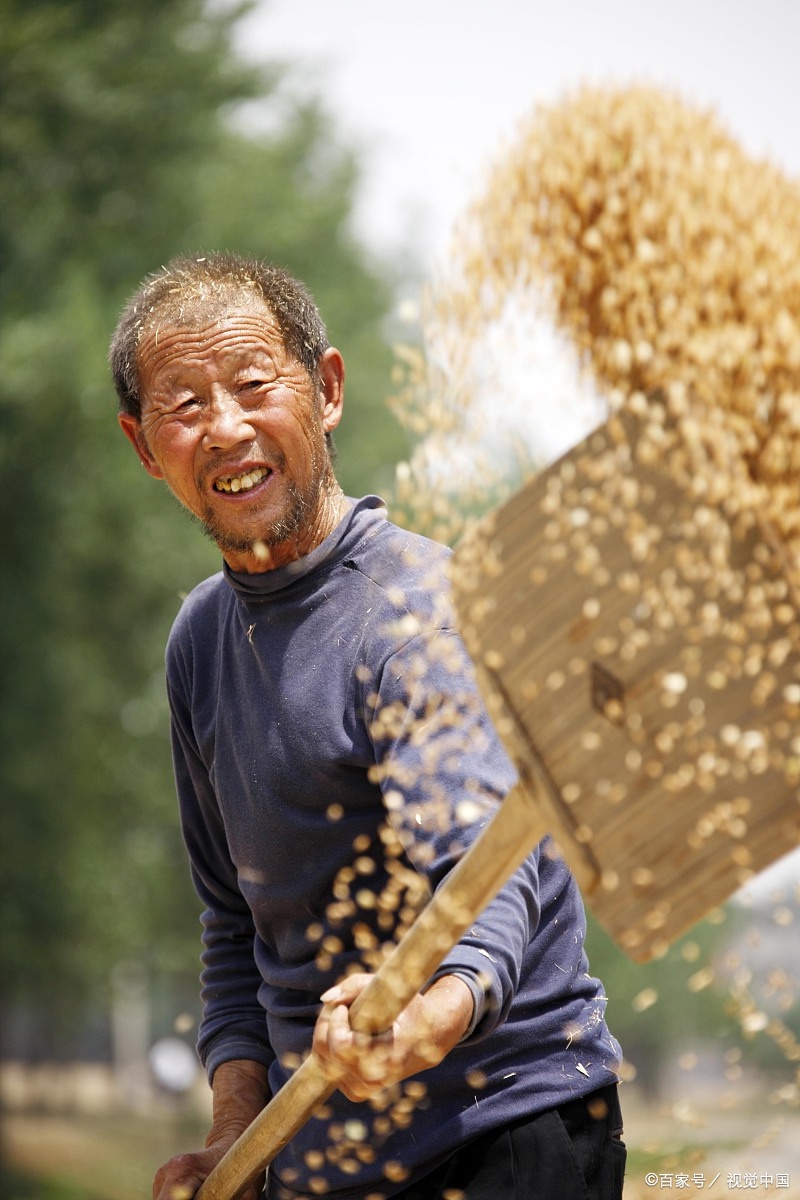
x: 227, y: 423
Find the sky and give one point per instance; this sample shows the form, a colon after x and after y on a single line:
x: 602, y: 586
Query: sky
x: 430, y: 90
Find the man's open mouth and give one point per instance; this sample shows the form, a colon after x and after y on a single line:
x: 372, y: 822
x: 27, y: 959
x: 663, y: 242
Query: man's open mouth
x: 243, y: 482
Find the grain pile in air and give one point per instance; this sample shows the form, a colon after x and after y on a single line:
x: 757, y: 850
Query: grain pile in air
x: 672, y: 262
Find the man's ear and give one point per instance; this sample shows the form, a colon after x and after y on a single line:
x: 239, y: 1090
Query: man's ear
x: 132, y: 428
x: 331, y: 373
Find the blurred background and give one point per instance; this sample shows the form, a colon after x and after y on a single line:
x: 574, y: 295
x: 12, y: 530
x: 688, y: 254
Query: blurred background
x: 342, y: 141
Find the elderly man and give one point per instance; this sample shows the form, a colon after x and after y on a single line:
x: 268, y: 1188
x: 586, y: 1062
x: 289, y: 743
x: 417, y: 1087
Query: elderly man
x: 332, y: 761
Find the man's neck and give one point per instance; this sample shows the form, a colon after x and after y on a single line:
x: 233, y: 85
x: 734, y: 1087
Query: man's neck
x: 261, y: 557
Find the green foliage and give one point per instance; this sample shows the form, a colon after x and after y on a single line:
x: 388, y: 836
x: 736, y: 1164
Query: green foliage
x: 656, y: 1008
x: 23, y: 1187
x: 118, y: 150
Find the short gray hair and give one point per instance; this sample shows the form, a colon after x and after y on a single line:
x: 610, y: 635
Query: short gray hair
x: 210, y: 282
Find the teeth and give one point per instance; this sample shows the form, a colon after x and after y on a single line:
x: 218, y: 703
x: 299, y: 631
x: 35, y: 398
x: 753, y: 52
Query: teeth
x: 241, y: 483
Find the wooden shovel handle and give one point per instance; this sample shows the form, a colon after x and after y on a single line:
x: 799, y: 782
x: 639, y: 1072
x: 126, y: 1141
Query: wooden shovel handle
x: 513, y: 831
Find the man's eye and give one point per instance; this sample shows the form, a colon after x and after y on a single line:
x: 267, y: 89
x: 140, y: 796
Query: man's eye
x: 187, y: 405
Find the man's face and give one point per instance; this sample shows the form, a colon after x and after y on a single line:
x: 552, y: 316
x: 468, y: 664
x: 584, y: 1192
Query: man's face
x: 236, y: 427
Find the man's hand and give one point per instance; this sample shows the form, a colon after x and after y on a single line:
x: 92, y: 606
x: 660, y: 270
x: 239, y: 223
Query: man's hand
x: 427, y: 1029
x: 180, y: 1178
x: 240, y: 1092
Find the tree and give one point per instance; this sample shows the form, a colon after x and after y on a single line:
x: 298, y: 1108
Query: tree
x: 117, y: 150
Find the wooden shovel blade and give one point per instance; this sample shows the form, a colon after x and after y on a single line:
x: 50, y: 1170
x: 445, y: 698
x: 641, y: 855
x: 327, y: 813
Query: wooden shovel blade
x: 638, y: 648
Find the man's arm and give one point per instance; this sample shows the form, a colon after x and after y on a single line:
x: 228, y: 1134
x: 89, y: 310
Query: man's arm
x: 232, y: 1040
x: 233, y: 1024
x: 444, y: 772
x: 240, y: 1091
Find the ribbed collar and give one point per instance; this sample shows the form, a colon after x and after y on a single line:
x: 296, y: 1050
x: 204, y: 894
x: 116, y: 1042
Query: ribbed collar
x: 361, y: 516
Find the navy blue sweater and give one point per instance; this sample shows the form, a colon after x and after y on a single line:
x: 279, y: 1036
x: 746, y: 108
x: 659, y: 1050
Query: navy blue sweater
x: 333, y: 759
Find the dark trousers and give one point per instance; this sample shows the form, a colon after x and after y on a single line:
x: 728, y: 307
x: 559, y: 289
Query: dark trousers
x: 573, y: 1152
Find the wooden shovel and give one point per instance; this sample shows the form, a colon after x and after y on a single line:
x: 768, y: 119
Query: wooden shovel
x: 638, y: 652
x: 639, y: 644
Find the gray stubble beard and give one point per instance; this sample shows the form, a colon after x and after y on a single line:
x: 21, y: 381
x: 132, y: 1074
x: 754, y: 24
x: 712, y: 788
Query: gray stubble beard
x: 280, y: 530
x: 299, y: 513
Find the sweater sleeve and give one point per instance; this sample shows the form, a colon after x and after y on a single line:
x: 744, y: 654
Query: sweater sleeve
x: 443, y: 773
x: 233, y: 1022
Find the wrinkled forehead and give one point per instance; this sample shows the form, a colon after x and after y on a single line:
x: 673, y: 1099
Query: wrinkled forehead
x: 199, y: 303
x: 234, y: 324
